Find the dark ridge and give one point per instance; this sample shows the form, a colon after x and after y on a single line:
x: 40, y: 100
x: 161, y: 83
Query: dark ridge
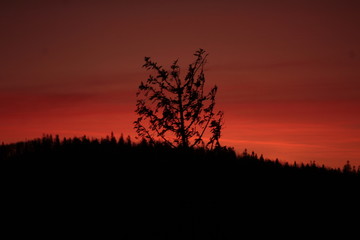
x: 153, y: 191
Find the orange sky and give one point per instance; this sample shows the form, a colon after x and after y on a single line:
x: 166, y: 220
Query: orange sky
x: 288, y: 71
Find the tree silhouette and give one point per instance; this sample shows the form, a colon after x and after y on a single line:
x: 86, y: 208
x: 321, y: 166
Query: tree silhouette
x: 177, y: 110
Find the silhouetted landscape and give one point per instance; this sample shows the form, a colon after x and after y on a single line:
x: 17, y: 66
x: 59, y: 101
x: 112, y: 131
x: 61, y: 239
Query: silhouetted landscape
x: 243, y: 119
x: 172, y: 184
x: 152, y: 191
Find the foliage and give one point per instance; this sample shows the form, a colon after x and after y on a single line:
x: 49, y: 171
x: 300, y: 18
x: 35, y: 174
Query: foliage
x: 177, y: 110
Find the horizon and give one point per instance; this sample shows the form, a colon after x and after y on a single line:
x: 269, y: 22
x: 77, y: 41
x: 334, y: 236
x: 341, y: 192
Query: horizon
x: 288, y: 73
x: 136, y: 140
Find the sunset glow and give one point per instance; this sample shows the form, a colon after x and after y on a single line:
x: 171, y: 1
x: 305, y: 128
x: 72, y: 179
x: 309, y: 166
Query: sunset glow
x: 288, y: 72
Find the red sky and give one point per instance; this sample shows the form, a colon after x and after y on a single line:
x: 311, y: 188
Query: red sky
x: 288, y: 72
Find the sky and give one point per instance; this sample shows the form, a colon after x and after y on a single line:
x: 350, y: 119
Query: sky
x: 288, y: 72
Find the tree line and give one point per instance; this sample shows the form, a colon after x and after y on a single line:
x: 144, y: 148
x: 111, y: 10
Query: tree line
x: 51, y: 147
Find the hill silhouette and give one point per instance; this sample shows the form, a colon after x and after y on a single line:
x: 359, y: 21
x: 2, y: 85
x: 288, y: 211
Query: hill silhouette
x: 153, y: 191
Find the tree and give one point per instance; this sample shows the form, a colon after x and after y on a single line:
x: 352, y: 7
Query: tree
x: 347, y: 167
x: 177, y: 110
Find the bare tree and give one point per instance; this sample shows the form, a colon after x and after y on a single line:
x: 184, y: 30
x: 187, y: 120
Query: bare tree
x: 177, y: 110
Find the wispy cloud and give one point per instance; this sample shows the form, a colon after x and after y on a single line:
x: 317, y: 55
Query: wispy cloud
x: 236, y: 66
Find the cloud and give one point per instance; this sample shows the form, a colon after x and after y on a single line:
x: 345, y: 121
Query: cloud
x: 27, y: 104
x: 255, y: 66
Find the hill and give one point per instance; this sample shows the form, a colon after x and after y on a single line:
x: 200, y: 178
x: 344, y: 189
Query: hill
x: 152, y: 191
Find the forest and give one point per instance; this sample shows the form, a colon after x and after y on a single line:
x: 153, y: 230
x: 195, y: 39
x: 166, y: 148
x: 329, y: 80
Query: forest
x: 153, y: 191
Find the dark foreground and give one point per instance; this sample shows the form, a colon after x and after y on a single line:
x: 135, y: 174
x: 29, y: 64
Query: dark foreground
x: 109, y: 188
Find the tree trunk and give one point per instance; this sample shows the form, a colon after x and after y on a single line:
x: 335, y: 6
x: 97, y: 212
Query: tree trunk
x: 184, y: 140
